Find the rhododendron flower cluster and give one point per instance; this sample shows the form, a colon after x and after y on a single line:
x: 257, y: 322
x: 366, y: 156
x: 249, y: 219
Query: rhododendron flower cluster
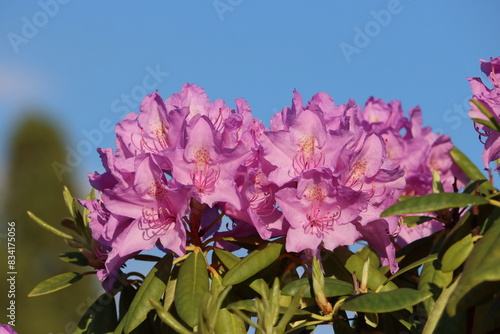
x: 490, y: 99
x: 320, y: 175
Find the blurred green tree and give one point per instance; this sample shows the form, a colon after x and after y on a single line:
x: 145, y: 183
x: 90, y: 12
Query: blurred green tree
x: 31, y: 184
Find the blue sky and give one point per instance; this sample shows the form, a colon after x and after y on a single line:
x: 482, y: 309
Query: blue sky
x: 88, y: 63
x: 80, y: 61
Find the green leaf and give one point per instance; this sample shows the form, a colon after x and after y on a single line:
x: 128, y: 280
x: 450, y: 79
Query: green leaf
x: 75, y: 258
x: 100, y: 317
x: 49, y: 227
x: 228, y: 322
x: 354, y: 264
x: 437, y: 186
x: 413, y: 265
x: 371, y: 319
x: 412, y: 221
x: 481, y: 266
x: 245, y: 305
x: 72, y: 205
x: 333, y: 288
x: 227, y: 258
x: 192, y: 284
x: 492, y: 122
x: 252, y: 264
x: 437, y: 310
x: 368, y: 253
x: 334, y: 266
x: 152, y: 287
x: 68, y: 199
x: 230, y: 260
x: 86, y: 212
x: 466, y: 165
x: 169, y: 297
x: 488, y: 123
x: 433, y: 280
x: 290, y: 311
x: 457, y: 254
x: 416, y: 250
x: 55, y: 283
x: 385, y: 301
x: 434, y: 202
x: 168, y: 318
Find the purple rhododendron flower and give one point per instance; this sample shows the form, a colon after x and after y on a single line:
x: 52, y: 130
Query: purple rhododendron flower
x: 320, y: 211
x: 490, y: 99
x: 321, y: 176
x: 7, y: 329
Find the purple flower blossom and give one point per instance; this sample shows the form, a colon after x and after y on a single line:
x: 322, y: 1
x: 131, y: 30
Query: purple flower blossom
x: 7, y: 329
x: 490, y: 99
x: 320, y: 210
x: 321, y: 176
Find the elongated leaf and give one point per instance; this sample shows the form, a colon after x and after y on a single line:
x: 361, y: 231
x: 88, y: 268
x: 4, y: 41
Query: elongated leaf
x: 245, y: 305
x: 413, y: 265
x: 49, y: 227
x: 333, y: 288
x: 69, y: 200
x: 488, y: 123
x: 75, y: 258
x: 368, y: 253
x: 437, y: 186
x: 354, y: 264
x: 252, y: 264
x: 86, y: 212
x: 168, y: 299
x: 433, y: 280
x: 417, y: 250
x: 169, y: 319
x: 227, y: 258
x: 385, y: 301
x: 457, y: 254
x: 290, y: 311
x: 437, y: 310
x: 55, y: 283
x: 492, y: 122
x: 230, y: 260
x: 99, y: 318
x: 192, y: 284
x: 228, y: 322
x: 466, y: 165
x: 481, y: 266
x: 334, y: 266
x: 250, y: 306
x: 434, y: 202
x: 152, y: 287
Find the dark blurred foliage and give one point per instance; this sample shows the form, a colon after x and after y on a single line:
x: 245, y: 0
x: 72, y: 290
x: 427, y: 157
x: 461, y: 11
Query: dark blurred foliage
x: 31, y: 184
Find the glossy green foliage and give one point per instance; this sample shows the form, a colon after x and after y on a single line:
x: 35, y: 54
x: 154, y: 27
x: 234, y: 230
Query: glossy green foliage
x: 388, y: 301
x: 332, y: 288
x: 152, y: 287
x: 192, y: 284
x: 55, y: 283
x: 434, y: 202
x: 252, y: 264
